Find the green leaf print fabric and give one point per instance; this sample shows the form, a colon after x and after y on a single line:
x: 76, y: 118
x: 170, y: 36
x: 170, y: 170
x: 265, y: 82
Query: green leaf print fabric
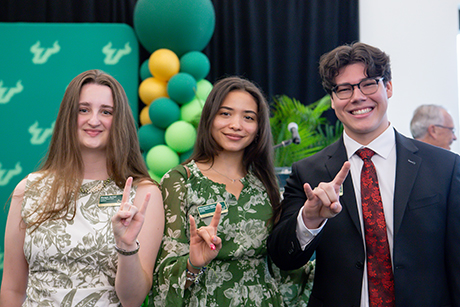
x: 71, y: 262
x: 241, y: 274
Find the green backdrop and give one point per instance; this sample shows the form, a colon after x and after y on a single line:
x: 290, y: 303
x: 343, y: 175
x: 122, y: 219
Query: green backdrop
x: 37, y: 62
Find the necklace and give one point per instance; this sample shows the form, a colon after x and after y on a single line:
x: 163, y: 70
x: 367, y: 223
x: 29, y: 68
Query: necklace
x: 97, y: 187
x: 232, y: 180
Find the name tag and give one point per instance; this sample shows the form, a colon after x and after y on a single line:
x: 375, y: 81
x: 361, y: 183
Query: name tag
x: 110, y: 200
x: 209, y: 209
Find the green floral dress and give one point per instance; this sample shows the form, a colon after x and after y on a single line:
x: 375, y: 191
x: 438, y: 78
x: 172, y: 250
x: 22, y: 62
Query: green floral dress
x: 71, y: 263
x: 241, y: 274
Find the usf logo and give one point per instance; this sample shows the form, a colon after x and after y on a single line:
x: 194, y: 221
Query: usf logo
x: 112, y: 55
x: 41, y: 55
x: 6, y: 175
x: 39, y: 135
x: 7, y: 93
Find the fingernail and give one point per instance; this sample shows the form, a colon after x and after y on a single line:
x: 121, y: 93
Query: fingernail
x: 212, y: 246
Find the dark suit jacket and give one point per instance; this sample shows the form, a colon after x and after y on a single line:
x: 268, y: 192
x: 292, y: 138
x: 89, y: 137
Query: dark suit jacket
x: 426, y: 254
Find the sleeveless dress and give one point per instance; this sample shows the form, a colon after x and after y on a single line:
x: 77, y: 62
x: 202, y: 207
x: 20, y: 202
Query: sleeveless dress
x: 71, y: 263
x: 241, y: 274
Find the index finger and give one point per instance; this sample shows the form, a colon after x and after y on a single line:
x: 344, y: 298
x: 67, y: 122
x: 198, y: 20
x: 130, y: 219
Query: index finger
x: 342, y: 174
x: 216, y: 217
x: 127, y: 189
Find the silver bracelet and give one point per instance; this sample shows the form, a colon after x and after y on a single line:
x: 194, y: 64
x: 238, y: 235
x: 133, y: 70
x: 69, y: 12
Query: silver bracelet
x: 128, y: 253
x: 194, y: 277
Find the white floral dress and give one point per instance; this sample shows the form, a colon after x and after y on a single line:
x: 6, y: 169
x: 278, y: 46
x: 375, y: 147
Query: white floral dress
x: 240, y: 275
x: 71, y: 263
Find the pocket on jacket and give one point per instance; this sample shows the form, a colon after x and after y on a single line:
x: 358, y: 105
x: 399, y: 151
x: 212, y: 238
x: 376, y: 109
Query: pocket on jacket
x: 424, y: 202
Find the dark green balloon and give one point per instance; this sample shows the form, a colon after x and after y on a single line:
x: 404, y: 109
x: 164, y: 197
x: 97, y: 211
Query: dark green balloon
x: 195, y: 63
x: 163, y: 112
x: 179, y: 25
x: 150, y: 136
x: 144, y: 71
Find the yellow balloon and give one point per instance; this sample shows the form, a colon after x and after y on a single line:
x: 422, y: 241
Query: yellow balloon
x: 144, y: 117
x: 164, y: 64
x: 151, y: 89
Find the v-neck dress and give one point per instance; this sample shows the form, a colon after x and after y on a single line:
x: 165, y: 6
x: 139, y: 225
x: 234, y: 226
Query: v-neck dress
x: 241, y: 274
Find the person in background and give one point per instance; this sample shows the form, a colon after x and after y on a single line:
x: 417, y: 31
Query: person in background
x: 75, y: 234
x: 381, y: 210
x: 218, y: 209
x: 433, y: 124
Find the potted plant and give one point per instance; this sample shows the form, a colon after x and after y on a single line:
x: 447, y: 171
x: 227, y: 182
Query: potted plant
x: 315, y: 131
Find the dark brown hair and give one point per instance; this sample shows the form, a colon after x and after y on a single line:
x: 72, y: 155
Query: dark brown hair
x: 258, y: 156
x: 376, y: 61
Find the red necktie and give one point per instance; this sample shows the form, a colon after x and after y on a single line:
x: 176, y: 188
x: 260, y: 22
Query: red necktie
x: 379, y: 270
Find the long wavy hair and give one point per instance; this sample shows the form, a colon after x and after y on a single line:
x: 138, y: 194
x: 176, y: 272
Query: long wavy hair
x: 63, y: 162
x: 258, y: 156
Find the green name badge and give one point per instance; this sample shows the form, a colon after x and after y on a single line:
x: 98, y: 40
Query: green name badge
x: 110, y: 200
x: 209, y: 209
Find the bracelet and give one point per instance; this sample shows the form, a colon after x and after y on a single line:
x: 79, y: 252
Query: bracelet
x: 194, y: 277
x: 128, y: 253
x: 191, y: 264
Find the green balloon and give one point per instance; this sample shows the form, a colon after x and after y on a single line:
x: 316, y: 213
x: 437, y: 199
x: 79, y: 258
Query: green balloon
x: 144, y: 71
x: 204, y: 87
x: 191, y: 111
x: 154, y: 176
x: 161, y: 159
x: 180, y: 25
x: 150, y: 136
x: 184, y: 156
x: 195, y: 63
x: 181, y: 87
x: 180, y: 136
x: 163, y: 112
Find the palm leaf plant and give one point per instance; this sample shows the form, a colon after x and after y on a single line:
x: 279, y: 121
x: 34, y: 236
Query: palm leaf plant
x: 315, y: 130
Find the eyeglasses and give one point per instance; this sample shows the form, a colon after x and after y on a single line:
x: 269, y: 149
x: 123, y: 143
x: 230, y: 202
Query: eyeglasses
x: 450, y: 128
x: 367, y: 86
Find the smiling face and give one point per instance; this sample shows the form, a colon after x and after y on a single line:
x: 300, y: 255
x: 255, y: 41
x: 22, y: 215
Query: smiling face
x: 95, y: 115
x: 235, y: 124
x: 364, y: 117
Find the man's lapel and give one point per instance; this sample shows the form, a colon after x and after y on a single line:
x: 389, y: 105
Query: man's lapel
x: 407, y: 166
x: 337, y: 155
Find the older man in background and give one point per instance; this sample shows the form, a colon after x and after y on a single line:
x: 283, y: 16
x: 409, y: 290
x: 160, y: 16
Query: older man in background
x: 433, y: 124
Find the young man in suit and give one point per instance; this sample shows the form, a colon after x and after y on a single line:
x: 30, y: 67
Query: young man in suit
x: 389, y: 236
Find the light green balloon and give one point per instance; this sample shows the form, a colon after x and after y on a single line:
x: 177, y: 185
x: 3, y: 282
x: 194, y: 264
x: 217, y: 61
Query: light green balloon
x: 161, y: 159
x: 154, y: 176
x: 180, y: 136
x: 191, y: 111
x: 204, y: 87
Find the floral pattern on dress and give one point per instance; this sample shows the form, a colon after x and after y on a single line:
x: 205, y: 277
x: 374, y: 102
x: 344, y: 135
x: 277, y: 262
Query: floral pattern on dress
x: 241, y: 274
x: 71, y: 262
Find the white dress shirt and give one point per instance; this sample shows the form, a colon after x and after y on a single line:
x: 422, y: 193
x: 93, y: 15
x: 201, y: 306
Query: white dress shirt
x: 384, y: 160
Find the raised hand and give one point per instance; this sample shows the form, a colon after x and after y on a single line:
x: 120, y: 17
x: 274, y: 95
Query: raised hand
x: 323, y: 201
x: 128, y: 221
x: 204, y: 242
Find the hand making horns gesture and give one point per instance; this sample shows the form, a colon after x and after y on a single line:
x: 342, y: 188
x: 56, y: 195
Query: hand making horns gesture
x: 204, y: 242
x: 128, y: 221
x: 323, y: 201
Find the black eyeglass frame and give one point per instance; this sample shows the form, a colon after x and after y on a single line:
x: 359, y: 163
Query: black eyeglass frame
x: 358, y: 85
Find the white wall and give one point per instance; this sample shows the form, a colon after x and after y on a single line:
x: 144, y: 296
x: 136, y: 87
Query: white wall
x: 420, y: 37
